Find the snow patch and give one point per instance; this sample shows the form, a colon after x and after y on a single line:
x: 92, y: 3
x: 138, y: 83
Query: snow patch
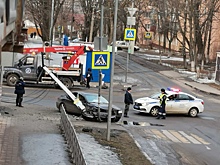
x: 95, y: 153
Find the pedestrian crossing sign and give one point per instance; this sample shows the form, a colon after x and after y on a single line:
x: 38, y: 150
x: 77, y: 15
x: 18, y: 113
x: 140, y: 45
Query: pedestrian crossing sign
x: 100, y: 60
x: 148, y: 35
x: 130, y: 34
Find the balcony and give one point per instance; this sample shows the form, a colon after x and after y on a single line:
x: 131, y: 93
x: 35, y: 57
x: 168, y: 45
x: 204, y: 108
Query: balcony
x: 12, y: 36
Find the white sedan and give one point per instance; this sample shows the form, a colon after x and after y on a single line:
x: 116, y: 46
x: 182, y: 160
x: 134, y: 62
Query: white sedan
x: 177, y: 103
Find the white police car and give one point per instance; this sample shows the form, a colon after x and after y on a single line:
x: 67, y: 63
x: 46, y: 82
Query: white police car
x: 177, y: 103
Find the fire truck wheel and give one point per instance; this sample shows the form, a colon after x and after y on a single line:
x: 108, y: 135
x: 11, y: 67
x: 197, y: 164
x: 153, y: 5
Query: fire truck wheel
x: 67, y: 82
x: 12, y: 79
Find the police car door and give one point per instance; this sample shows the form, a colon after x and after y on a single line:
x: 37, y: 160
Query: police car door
x: 170, y: 104
x: 181, y: 102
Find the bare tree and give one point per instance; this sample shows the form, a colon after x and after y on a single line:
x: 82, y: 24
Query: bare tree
x: 40, y: 13
x: 194, y: 19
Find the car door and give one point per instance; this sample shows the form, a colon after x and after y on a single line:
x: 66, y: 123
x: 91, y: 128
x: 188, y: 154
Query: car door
x: 28, y: 68
x: 71, y: 107
x: 181, y: 103
x: 170, y: 103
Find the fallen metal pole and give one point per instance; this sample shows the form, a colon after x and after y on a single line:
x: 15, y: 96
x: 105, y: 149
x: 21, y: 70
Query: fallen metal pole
x: 76, y: 101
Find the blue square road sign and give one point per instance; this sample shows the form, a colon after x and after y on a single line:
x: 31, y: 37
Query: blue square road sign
x: 130, y: 34
x: 100, y: 60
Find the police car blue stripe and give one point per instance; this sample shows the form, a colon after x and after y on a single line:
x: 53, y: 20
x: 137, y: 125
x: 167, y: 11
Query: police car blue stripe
x: 153, y: 102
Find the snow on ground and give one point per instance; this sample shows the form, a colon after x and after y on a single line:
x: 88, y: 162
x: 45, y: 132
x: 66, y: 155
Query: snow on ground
x: 191, y: 75
x: 95, y: 153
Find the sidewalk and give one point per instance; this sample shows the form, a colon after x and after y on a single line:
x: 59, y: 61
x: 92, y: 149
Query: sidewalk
x: 27, y: 138
x: 195, y: 85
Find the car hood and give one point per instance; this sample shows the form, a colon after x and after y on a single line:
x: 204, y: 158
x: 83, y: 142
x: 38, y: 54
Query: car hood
x: 146, y: 100
x: 104, y: 106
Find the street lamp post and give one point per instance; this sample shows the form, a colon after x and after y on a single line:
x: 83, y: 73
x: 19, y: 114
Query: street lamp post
x: 51, y: 23
x: 158, y: 30
x: 100, y: 48
x: 112, y: 72
x: 131, y: 10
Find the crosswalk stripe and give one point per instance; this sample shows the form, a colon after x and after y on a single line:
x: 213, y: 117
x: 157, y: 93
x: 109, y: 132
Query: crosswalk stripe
x: 175, y: 136
x: 158, y: 134
x: 170, y: 136
x: 179, y: 136
x: 148, y: 133
x: 190, y: 138
x: 200, y: 139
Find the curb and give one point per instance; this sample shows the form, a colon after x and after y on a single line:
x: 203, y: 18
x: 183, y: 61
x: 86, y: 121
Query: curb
x: 202, y: 90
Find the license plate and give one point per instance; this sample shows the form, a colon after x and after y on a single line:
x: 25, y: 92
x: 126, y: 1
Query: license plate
x: 119, y: 111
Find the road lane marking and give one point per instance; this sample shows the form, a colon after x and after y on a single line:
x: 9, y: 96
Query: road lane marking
x: 190, y: 138
x: 170, y: 136
x: 179, y: 136
x: 158, y: 134
x: 208, y: 148
x: 200, y: 139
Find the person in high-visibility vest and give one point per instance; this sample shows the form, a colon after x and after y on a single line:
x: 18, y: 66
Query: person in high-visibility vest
x: 162, y: 109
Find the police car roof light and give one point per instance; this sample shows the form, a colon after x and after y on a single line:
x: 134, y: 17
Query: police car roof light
x: 173, y: 89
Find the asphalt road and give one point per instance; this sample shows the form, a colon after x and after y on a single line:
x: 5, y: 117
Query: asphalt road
x: 177, y: 140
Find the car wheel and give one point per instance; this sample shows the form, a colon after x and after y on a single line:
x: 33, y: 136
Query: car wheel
x: 12, y: 79
x: 193, y: 112
x: 154, y: 111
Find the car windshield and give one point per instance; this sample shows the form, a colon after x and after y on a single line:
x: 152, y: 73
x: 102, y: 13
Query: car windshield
x: 155, y: 96
x: 94, y: 99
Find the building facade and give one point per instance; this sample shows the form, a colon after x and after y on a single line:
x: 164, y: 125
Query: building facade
x: 11, y: 33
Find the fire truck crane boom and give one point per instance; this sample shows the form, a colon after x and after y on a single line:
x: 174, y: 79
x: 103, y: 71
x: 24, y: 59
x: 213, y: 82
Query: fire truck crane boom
x: 54, y: 49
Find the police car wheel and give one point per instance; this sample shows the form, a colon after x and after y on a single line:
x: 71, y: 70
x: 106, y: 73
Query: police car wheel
x: 154, y: 111
x: 193, y: 112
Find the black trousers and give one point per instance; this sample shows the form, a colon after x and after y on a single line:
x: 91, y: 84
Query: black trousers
x: 126, y: 109
x: 19, y: 99
x: 88, y: 79
x: 162, y: 111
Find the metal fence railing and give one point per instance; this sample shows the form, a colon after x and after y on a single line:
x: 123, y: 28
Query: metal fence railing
x: 72, y: 140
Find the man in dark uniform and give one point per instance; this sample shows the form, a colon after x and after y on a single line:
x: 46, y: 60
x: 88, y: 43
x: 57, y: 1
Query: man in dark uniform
x: 162, y: 110
x: 127, y: 100
x: 19, y: 90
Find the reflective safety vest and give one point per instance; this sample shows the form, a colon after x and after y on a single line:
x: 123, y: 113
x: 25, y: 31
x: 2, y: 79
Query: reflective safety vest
x: 161, y: 98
